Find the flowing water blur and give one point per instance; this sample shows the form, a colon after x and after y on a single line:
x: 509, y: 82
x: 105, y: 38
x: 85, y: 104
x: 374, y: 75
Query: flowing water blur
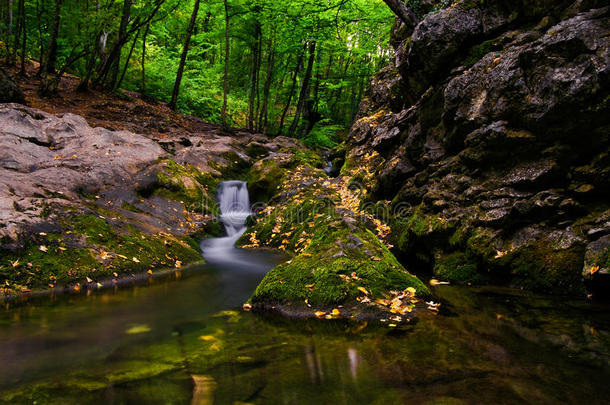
x: 183, y: 339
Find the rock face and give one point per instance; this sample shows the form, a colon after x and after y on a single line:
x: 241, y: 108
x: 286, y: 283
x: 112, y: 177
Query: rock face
x: 9, y: 91
x: 490, y: 135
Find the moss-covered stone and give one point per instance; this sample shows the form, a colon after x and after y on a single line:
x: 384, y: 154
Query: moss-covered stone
x: 90, y: 248
x: 189, y: 185
x: 339, y: 260
x: 457, y: 267
x: 541, y: 267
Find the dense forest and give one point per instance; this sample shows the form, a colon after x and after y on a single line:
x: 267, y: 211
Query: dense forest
x: 295, y: 68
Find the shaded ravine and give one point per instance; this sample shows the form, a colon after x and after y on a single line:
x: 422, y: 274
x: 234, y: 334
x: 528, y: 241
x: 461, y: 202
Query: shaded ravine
x: 183, y: 339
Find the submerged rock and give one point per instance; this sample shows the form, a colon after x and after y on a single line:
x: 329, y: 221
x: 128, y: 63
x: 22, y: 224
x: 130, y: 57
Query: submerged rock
x: 500, y: 125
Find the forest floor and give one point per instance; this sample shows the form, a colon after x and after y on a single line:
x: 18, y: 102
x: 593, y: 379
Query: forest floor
x: 121, y: 110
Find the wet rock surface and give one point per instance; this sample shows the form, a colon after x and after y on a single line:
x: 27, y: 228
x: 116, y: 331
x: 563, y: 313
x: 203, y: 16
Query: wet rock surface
x: 495, y: 139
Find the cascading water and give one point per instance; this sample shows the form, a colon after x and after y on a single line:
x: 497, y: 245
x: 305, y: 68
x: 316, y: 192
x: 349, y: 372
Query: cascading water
x: 234, y: 205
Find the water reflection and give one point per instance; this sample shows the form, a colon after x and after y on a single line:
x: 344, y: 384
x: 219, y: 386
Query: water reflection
x: 181, y: 342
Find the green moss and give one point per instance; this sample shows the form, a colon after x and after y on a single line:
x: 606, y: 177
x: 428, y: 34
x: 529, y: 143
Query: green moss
x: 540, y: 267
x: 188, y: 185
x: 477, y: 52
x: 264, y: 178
x: 91, y: 248
x: 457, y: 267
x: 130, y: 207
x: 335, y: 253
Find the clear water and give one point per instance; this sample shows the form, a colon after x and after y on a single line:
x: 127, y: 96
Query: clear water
x: 185, y: 340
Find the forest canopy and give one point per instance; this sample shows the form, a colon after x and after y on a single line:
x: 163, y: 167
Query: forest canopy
x: 296, y: 67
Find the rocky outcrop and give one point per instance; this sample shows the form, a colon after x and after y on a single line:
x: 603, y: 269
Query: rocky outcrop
x: 489, y: 134
x: 79, y: 203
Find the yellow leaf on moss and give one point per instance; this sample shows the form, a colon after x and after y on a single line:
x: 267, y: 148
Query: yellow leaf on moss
x: 594, y: 269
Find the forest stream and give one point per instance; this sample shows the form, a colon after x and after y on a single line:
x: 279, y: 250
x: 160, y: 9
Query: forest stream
x: 184, y: 338
x: 338, y: 202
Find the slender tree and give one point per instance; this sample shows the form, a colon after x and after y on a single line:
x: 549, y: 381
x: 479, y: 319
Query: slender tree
x: 291, y: 92
x: 185, y: 50
x: 225, y: 81
x: 304, y: 89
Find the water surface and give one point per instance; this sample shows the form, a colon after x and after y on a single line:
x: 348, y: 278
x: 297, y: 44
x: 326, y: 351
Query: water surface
x: 185, y: 340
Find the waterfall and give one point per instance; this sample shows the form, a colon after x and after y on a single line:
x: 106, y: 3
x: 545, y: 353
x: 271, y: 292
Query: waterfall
x: 234, y: 205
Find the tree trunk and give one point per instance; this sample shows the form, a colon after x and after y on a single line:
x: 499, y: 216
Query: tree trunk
x: 39, y: 14
x: 291, y: 93
x: 403, y: 12
x: 17, y: 37
x: 23, y: 38
x: 143, y: 87
x: 133, y: 45
x: 187, y: 41
x: 48, y: 67
x: 254, y: 75
x: 304, y: 89
x: 262, y: 122
x: 51, y: 58
x: 9, y: 30
x: 83, y: 86
x: 225, y: 80
x: 114, y: 68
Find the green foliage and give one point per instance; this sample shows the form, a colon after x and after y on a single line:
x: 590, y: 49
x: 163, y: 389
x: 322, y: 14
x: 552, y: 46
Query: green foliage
x: 324, y: 134
x: 351, y: 43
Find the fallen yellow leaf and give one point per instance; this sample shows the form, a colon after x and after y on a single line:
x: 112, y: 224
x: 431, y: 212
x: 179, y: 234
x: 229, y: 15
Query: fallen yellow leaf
x: 594, y: 269
x: 335, y: 312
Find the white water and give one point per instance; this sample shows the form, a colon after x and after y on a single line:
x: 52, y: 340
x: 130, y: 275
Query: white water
x: 234, y: 205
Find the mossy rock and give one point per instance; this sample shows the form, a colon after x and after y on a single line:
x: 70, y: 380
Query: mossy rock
x: 89, y: 247
x: 338, y: 259
x: 457, y: 267
x: 540, y: 267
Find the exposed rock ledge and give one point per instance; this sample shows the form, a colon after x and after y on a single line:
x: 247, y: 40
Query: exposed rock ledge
x: 491, y: 136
